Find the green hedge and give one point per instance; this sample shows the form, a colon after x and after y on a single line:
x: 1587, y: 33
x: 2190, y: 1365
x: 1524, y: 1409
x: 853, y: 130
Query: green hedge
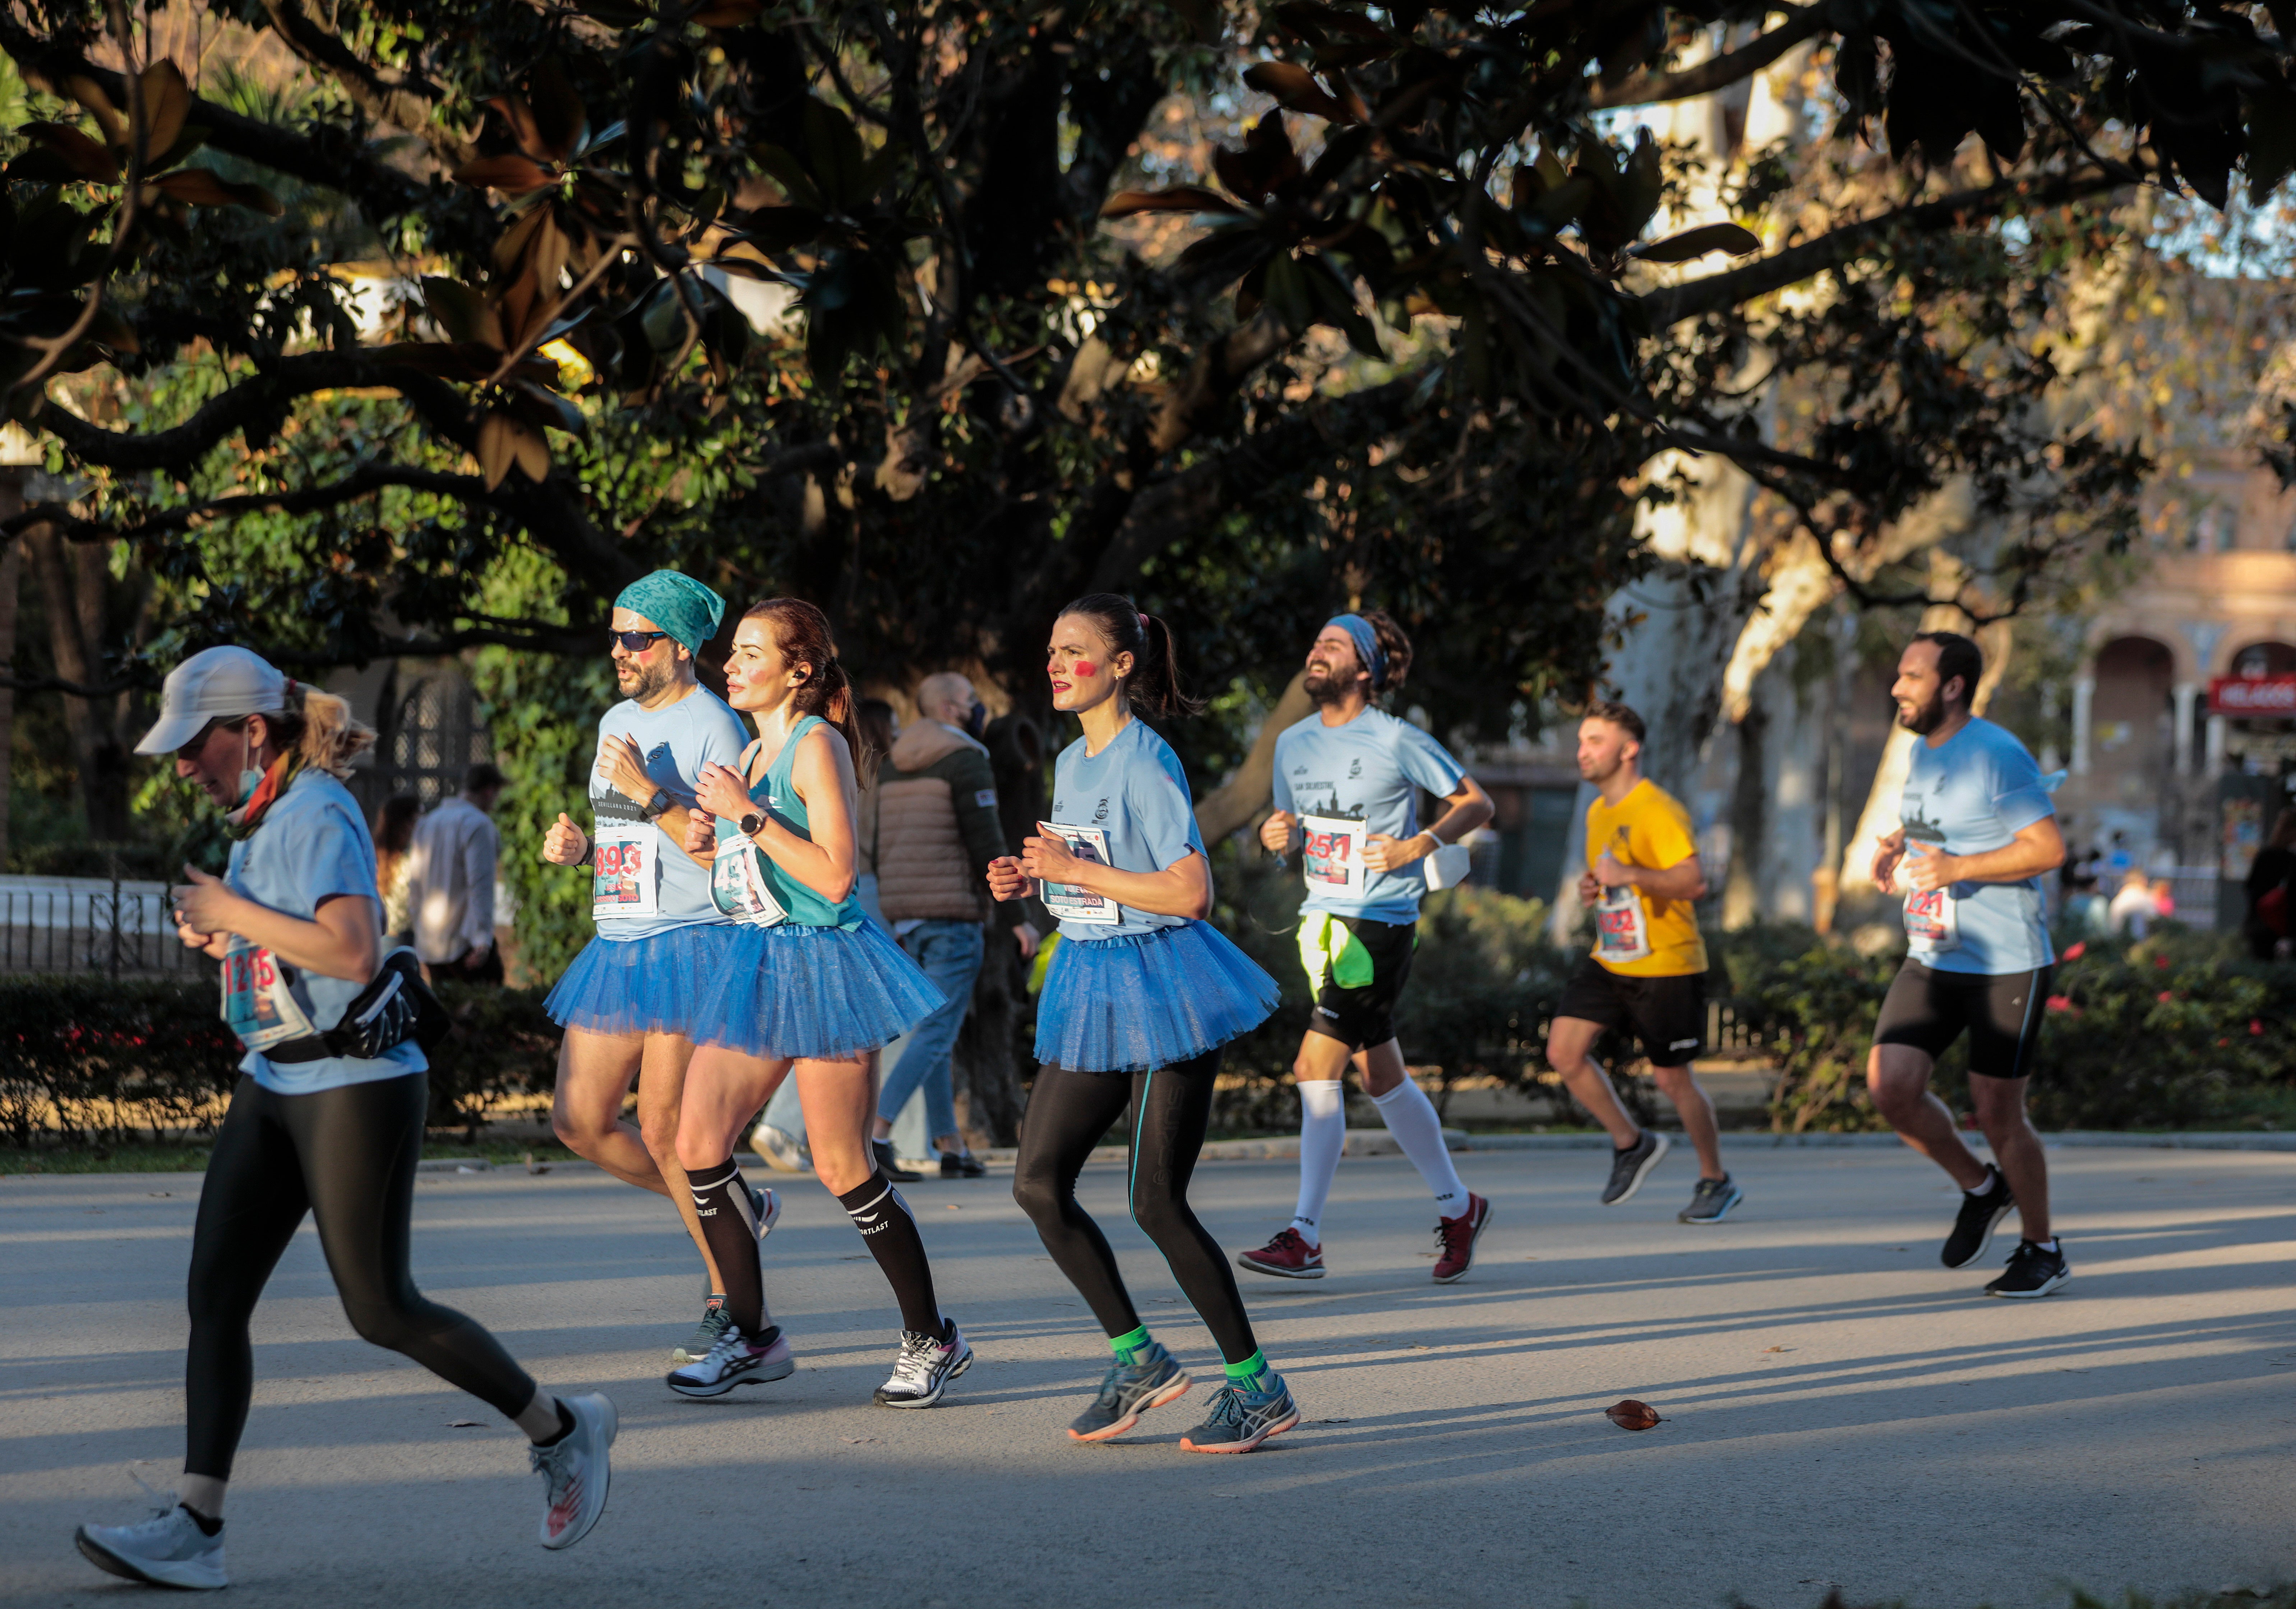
x: 96, y: 1060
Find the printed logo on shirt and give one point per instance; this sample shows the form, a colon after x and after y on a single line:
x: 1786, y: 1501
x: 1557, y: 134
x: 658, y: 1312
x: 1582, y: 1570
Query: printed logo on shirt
x: 1682, y: 1044
x: 1101, y: 813
x: 1355, y: 769
x: 1298, y: 771
x: 986, y: 798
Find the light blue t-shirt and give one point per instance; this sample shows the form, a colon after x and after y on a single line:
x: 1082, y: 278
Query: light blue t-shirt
x: 1972, y: 793
x: 1371, y: 770
x: 313, y: 844
x: 1135, y: 791
x: 678, y: 741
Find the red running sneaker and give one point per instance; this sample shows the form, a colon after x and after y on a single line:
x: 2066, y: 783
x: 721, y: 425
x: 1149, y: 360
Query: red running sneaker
x: 1288, y: 1256
x: 1456, y: 1237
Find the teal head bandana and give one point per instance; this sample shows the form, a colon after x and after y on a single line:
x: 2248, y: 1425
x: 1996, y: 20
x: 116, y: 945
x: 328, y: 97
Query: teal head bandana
x: 678, y: 604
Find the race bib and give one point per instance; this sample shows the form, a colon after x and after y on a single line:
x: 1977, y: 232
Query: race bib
x: 625, y: 871
x: 1330, y: 856
x: 1931, y: 923
x: 1622, y: 927
x: 1067, y: 902
x: 258, y: 998
x: 738, y: 886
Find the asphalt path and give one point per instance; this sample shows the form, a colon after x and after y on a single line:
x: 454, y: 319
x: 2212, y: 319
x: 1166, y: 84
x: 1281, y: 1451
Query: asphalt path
x: 1839, y: 1409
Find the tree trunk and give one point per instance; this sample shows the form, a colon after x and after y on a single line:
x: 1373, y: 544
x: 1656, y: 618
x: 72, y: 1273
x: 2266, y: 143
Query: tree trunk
x: 1233, y: 804
x: 75, y: 587
x: 11, y: 569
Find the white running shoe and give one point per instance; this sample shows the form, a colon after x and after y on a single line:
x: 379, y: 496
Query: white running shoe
x: 926, y: 1365
x: 169, y: 1549
x: 783, y: 1151
x: 735, y: 1361
x: 576, y: 1472
x: 767, y: 1207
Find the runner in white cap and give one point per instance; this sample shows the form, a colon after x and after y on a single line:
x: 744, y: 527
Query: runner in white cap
x: 327, y: 1118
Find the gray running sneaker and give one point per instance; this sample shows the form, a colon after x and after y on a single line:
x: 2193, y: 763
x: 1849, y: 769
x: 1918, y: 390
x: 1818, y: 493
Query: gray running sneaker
x: 735, y: 1360
x: 169, y: 1549
x: 1631, y: 1166
x: 767, y: 1208
x: 705, y: 1334
x: 576, y: 1471
x: 926, y: 1365
x: 1711, y: 1201
x: 1129, y: 1390
x: 783, y: 1151
x: 1241, y: 1419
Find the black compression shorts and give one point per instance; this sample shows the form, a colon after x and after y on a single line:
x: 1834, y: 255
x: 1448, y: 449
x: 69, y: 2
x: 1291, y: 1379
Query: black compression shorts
x: 1929, y: 1008
x: 1365, y: 1017
x: 1667, y: 1014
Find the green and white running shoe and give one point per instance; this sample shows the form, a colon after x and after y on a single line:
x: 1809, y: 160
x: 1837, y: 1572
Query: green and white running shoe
x: 705, y: 1334
x: 1129, y: 1390
x: 1241, y: 1419
x: 169, y: 1549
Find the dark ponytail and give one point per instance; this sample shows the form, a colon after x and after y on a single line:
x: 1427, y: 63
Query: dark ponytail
x: 802, y: 633
x: 1153, y: 686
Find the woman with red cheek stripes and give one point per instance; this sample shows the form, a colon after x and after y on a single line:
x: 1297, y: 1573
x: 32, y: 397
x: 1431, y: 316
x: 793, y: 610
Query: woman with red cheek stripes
x: 1137, y: 1001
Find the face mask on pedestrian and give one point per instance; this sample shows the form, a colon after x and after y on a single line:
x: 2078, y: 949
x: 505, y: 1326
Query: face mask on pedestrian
x: 976, y: 720
x: 251, y: 774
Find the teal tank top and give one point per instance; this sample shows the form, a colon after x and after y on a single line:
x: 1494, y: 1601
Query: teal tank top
x: 775, y: 796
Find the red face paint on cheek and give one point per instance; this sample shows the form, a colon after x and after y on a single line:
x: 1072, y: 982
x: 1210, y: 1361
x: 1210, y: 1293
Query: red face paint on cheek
x: 1086, y: 667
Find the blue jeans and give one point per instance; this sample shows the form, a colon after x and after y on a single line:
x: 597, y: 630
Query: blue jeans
x: 950, y: 953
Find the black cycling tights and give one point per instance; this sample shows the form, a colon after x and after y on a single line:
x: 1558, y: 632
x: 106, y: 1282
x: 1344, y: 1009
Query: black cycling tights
x: 1067, y: 1112
x: 348, y: 1156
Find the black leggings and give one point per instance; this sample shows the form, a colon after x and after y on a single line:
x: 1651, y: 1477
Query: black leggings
x: 347, y: 1156
x: 1067, y: 1112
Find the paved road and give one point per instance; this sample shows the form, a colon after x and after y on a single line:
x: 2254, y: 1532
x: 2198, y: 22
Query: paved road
x: 1840, y: 1409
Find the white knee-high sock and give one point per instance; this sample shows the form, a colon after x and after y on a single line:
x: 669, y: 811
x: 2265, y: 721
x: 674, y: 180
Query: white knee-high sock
x: 1322, y: 1136
x: 1410, y: 1116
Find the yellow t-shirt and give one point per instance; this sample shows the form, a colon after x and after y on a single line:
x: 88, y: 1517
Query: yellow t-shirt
x: 1650, y: 828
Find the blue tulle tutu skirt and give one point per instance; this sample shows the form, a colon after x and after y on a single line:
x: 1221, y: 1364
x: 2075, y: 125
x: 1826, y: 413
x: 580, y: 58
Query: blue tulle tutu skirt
x: 1139, y: 1000
x: 655, y: 985
x: 821, y: 992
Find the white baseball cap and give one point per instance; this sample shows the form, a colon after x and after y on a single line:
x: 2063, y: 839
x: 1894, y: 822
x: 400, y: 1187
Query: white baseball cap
x: 216, y: 683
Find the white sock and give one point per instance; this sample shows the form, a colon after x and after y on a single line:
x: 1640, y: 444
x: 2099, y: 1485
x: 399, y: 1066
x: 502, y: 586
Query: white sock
x: 1410, y: 1116
x: 1322, y: 1136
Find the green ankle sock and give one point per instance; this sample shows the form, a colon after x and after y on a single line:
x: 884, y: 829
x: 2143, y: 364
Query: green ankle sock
x: 1128, y: 1346
x: 1252, y: 1374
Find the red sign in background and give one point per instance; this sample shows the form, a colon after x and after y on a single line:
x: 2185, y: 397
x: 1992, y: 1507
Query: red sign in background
x: 2267, y: 698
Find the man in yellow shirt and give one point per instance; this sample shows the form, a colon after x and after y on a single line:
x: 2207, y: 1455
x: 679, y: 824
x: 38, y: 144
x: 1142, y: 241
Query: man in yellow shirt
x: 1647, y: 974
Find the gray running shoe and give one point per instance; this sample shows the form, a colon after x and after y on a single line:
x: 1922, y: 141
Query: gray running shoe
x: 1631, y: 1166
x: 1711, y: 1201
x: 735, y: 1360
x: 767, y: 1208
x: 705, y: 1334
x: 169, y: 1549
x: 1241, y: 1419
x: 1129, y: 1390
x: 576, y: 1471
x: 926, y: 1365
x: 783, y: 1151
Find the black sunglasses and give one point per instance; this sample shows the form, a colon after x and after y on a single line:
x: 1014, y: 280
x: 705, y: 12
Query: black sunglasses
x: 636, y: 642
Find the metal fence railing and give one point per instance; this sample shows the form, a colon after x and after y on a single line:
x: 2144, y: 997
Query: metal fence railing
x: 105, y: 925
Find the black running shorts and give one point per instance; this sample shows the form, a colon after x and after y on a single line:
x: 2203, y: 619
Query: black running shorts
x: 1928, y: 1009
x: 1667, y: 1014
x: 1365, y: 1017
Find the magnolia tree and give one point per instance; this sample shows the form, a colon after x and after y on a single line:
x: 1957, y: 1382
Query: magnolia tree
x: 425, y: 327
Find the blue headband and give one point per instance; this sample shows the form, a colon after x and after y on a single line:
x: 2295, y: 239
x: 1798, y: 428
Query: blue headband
x: 1367, y: 649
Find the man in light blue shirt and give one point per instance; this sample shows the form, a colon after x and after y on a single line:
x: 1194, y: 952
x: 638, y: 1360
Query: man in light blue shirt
x: 1347, y: 781
x: 1978, y: 833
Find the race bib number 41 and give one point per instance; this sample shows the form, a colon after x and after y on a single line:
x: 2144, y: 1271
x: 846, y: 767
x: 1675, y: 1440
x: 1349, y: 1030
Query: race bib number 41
x: 626, y: 871
x: 1331, y: 855
x: 737, y: 885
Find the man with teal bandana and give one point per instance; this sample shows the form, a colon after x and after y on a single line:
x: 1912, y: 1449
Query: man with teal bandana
x: 628, y: 1002
x: 1347, y: 781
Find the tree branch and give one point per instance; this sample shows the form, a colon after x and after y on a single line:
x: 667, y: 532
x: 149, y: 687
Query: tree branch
x: 405, y: 103
x: 1674, y: 303
x: 361, y: 482
x: 1645, y: 89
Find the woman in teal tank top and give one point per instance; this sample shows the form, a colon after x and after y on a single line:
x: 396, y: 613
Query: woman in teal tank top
x: 809, y: 986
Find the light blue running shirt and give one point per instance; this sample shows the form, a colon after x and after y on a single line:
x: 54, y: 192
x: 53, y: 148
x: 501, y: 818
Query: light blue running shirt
x: 312, y: 844
x: 1370, y: 770
x: 1970, y: 794
x: 678, y: 740
x: 1135, y: 791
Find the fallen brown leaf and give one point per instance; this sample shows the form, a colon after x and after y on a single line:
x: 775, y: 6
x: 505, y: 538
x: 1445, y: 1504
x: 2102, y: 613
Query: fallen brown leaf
x: 1779, y: 1349
x: 462, y: 1424
x: 1632, y: 1415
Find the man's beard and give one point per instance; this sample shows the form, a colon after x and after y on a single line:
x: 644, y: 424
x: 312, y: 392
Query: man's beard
x: 1326, y: 687
x: 1928, y: 718
x: 648, y: 679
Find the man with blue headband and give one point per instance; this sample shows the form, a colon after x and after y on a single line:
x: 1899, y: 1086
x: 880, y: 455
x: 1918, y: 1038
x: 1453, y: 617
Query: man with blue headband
x: 1348, y: 779
x: 629, y: 1001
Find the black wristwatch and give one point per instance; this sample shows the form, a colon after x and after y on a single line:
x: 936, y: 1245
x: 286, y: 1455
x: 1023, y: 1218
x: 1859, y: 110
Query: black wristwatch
x: 751, y: 825
x: 657, y: 806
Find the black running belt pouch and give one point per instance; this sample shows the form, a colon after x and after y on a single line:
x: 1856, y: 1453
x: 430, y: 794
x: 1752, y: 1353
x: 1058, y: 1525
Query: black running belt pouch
x: 395, y: 1007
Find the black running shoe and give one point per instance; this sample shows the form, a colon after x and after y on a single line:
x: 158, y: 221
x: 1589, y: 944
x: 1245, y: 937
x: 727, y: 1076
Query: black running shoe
x: 1631, y: 1166
x: 882, y: 1150
x: 961, y: 1165
x: 2034, y: 1270
x: 1711, y: 1201
x: 1972, y: 1228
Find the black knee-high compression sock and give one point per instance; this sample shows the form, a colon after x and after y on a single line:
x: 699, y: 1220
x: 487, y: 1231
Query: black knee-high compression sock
x: 890, y: 1233
x: 721, y: 1199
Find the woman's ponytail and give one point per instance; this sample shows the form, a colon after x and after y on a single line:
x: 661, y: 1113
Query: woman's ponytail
x: 1153, y: 687
x: 319, y: 728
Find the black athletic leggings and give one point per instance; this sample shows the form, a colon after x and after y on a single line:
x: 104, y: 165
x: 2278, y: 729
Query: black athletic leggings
x: 1068, y: 1114
x: 347, y: 1156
